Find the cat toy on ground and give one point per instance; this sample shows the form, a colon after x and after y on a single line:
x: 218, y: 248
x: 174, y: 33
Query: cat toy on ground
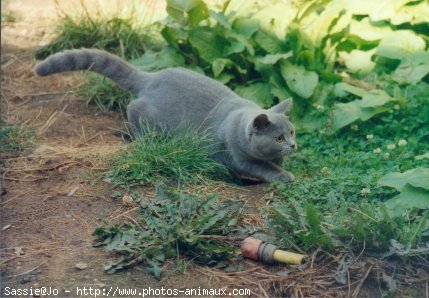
x: 258, y: 250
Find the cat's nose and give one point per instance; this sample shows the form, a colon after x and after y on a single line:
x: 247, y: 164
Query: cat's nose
x: 293, y: 146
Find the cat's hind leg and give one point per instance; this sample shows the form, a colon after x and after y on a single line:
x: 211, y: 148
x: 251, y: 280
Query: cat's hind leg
x: 140, y: 114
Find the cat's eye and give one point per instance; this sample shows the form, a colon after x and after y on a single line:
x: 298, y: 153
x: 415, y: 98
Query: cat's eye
x: 280, y: 139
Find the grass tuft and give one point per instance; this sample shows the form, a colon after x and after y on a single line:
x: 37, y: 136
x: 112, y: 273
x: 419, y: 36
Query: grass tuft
x: 115, y: 34
x: 104, y: 93
x: 14, y: 138
x: 160, y: 156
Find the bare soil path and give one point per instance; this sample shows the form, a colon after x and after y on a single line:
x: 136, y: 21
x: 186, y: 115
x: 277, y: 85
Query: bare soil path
x: 49, y: 205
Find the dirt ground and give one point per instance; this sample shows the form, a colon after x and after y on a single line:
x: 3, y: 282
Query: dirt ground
x: 50, y: 205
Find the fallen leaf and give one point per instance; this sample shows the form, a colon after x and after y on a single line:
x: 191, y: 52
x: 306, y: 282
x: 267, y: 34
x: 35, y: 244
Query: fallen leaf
x: 18, y: 250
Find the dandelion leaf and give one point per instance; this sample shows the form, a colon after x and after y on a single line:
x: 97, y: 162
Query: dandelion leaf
x: 410, y: 197
x: 418, y: 177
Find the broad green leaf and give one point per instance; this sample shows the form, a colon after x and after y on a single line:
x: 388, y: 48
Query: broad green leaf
x: 224, y: 78
x: 410, y: 197
x: 422, y: 156
x: 342, y: 90
x: 220, y: 18
x: 245, y: 27
x: 346, y: 113
x: 259, y: 92
x: 174, y: 36
x: 219, y: 65
x: 317, y: 25
x: 374, y: 98
x: 151, y: 61
x: 235, y: 47
x: 269, y: 42
x: 238, y: 44
x: 414, y: 14
x: 192, y: 11
x: 365, y: 30
x: 386, y: 9
x: 357, y: 60
x: 372, y: 103
x: 276, y: 18
x: 278, y: 86
x: 400, y: 44
x: 412, y: 69
x: 273, y: 58
x: 298, y: 79
x: 418, y: 177
x: 209, y: 44
x: 240, y: 8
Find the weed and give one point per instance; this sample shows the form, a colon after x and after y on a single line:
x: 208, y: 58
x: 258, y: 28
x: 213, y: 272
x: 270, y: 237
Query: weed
x: 173, y: 225
x: 158, y: 155
x: 14, y: 138
x: 104, y: 93
x: 338, y: 201
x: 115, y: 34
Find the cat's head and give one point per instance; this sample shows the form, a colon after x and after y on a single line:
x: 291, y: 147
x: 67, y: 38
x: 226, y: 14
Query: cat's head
x: 271, y: 134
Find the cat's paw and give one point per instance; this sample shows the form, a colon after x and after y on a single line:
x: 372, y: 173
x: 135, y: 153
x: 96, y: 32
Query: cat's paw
x: 284, y: 177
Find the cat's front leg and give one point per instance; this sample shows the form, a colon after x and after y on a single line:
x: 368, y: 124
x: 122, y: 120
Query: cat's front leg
x: 267, y: 171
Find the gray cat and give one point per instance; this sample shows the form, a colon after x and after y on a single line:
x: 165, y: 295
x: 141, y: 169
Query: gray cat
x: 249, y: 140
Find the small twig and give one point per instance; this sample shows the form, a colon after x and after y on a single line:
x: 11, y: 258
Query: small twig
x: 128, y: 211
x: 132, y: 219
x: 263, y: 291
x: 357, y: 290
x: 222, y: 237
x: 349, y: 286
x: 25, y: 180
x: 427, y: 289
x: 360, y: 254
x: 15, y: 197
x: 26, y: 272
x: 364, y: 214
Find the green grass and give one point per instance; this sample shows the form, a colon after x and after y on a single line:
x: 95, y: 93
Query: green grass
x: 171, y: 226
x: 116, y: 34
x: 160, y: 156
x: 104, y: 93
x: 337, y: 202
x: 14, y: 138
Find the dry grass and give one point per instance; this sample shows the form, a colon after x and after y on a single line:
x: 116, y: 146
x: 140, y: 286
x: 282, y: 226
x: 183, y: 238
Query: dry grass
x: 317, y: 278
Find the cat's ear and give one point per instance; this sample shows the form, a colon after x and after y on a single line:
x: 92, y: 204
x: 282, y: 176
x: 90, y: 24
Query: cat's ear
x: 261, y: 121
x: 283, y: 107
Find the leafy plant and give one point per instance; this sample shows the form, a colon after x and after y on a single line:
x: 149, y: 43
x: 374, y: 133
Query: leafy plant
x: 340, y: 180
x: 414, y: 187
x: 158, y: 155
x: 173, y: 225
x: 300, y: 54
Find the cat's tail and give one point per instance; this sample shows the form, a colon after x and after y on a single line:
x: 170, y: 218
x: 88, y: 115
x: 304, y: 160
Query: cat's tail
x: 102, y: 62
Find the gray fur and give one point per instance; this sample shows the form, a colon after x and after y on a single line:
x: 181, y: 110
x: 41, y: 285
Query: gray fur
x: 247, y: 137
